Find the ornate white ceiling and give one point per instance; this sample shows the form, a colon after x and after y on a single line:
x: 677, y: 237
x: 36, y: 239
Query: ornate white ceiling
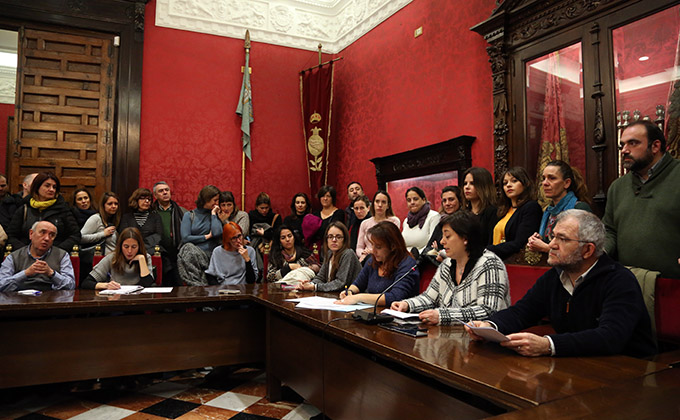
x: 292, y: 23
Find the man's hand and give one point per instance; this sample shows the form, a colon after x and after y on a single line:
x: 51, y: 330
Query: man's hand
x: 39, y: 267
x: 528, y: 344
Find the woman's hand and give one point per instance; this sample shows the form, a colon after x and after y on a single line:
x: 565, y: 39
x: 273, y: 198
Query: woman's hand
x: 208, y: 236
x: 430, y: 316
x: 400, y: 306
x: 536, y: 244
x: 111, y: 285
x: 243, y: 251
x: 108, y: 231
x: 306, y: 285
x: 215, y: 209
x: 259, y: 231
x: 350, y: 299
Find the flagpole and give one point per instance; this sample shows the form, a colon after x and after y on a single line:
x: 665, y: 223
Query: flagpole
x: 246, y: 45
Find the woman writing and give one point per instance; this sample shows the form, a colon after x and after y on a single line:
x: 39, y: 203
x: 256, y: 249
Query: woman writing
x: 82, y: 206
x: 564, y: 187
x: 340, y: 266
x: 286, y: 255
x: 101, y: 228
x: 480, y: 196
x: 129, y: 264
x: 421, y: 221
x: 44, y: 203
x: 390, y: 262
x: 233, y: 262
x: 380, y: 210
x: 471, y: 283
x: 519, y: 213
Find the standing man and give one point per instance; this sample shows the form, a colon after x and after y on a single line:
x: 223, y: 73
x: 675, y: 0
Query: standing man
x: 171, y: 217
x: 354, y: 190
x: 594, y: 303
x: 38, y: 265
x: 10, y: 202
x: 642, y: 216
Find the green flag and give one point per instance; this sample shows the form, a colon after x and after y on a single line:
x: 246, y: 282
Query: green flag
x: 245, y: 108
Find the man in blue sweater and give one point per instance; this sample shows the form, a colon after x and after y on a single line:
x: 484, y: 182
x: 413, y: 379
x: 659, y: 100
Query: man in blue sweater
x: 594, y: 303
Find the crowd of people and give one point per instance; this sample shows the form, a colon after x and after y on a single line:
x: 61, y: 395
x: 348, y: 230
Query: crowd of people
x: 364, y: 250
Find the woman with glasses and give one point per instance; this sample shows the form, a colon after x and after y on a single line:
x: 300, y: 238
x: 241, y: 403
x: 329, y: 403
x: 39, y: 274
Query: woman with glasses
x: 341, y: 265
x: 141, y: 217
x: 233, y: 262
x: 390, y: 262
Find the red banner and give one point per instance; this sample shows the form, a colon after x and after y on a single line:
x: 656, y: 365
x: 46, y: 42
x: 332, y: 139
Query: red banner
x: 316, y: 98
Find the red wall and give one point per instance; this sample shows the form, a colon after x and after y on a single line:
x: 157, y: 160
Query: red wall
x: 6, y: 110
x: 190, y: 133
x: 393, y: 93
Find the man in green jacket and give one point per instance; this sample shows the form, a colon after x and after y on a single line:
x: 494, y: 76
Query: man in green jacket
x: 642, y: 216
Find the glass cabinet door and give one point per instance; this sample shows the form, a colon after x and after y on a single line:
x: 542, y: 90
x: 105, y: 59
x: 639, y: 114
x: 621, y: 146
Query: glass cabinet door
x: 646, y: 69
x: 554, y: 115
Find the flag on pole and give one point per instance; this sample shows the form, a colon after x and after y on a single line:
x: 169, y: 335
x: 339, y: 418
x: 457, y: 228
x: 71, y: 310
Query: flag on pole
x: 245, y: 103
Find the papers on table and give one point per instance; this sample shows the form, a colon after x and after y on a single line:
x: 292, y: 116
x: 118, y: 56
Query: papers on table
x: 157, y: 290
x: 128, y: 289
x: 400, y: 315
x: 317, y: 302
x: 30, y: 292
x: 124, y: 290
x: 487, y: 333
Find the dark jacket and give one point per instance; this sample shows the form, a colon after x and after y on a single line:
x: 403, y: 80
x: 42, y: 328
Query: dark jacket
x: 176, y: 227
x: 8, y: 205
x: 606, y: 315
x: 59, y: 214
x: 151, y: 231
x: 522, y: 224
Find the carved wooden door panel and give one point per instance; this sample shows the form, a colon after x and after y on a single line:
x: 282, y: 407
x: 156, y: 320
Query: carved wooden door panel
x: 65, y: 109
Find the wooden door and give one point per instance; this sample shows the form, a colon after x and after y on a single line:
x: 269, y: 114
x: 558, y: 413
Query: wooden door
x: 65, y: 109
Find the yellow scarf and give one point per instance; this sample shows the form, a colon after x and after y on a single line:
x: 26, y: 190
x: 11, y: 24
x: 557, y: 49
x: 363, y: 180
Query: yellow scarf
x: 42, y: 205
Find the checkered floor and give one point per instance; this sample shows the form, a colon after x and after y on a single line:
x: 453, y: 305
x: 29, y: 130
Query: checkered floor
x: 189, y: 395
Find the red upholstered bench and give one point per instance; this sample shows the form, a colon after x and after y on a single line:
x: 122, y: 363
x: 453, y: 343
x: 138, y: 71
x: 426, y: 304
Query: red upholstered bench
x: 666, y: 304
x: 522, y: 278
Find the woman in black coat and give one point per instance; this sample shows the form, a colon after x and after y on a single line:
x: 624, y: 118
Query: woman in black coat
x: 44, y: 203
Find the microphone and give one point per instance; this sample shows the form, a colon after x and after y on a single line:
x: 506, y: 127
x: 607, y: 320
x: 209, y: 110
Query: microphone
x: 372, y: 317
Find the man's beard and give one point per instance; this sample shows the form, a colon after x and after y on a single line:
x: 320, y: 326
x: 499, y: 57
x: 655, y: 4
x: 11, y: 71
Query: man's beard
x: 639, y: 164
x: 569, y: 262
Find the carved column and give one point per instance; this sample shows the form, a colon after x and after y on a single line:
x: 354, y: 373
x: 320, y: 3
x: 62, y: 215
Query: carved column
x: 498, y: 58
x: 599, y: 137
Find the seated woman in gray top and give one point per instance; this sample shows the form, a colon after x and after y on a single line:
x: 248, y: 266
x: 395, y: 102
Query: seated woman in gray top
x: 341, y: 265
x: 101, y: 227
x: 201, y: 226
x: 128, y: 265
x: 233, y: 262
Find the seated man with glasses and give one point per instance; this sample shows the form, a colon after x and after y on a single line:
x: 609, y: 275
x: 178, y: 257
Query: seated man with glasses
x: 594, y: 303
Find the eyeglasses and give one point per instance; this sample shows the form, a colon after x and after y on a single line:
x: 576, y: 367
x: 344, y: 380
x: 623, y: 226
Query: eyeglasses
x: 335, y: 237
x: 144, y: 198
x: 237, y: 237
x: 561, y: 239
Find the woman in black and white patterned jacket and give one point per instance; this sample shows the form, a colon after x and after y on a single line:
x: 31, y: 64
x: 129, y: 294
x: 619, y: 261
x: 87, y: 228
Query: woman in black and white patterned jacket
x: 472, y: 283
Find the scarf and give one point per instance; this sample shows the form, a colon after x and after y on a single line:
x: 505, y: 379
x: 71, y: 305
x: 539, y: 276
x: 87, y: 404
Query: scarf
x: 42, y: 205
x: 566, y: 203
x: 82, y: 215
x: 418, y: 218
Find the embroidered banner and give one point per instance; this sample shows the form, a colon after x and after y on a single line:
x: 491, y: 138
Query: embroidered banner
x: 316, y: 100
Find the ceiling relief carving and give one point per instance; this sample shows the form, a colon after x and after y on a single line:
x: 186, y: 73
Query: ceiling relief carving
x: 299, y: 24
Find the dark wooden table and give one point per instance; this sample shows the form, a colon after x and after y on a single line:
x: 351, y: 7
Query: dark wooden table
x: 348, y: 369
